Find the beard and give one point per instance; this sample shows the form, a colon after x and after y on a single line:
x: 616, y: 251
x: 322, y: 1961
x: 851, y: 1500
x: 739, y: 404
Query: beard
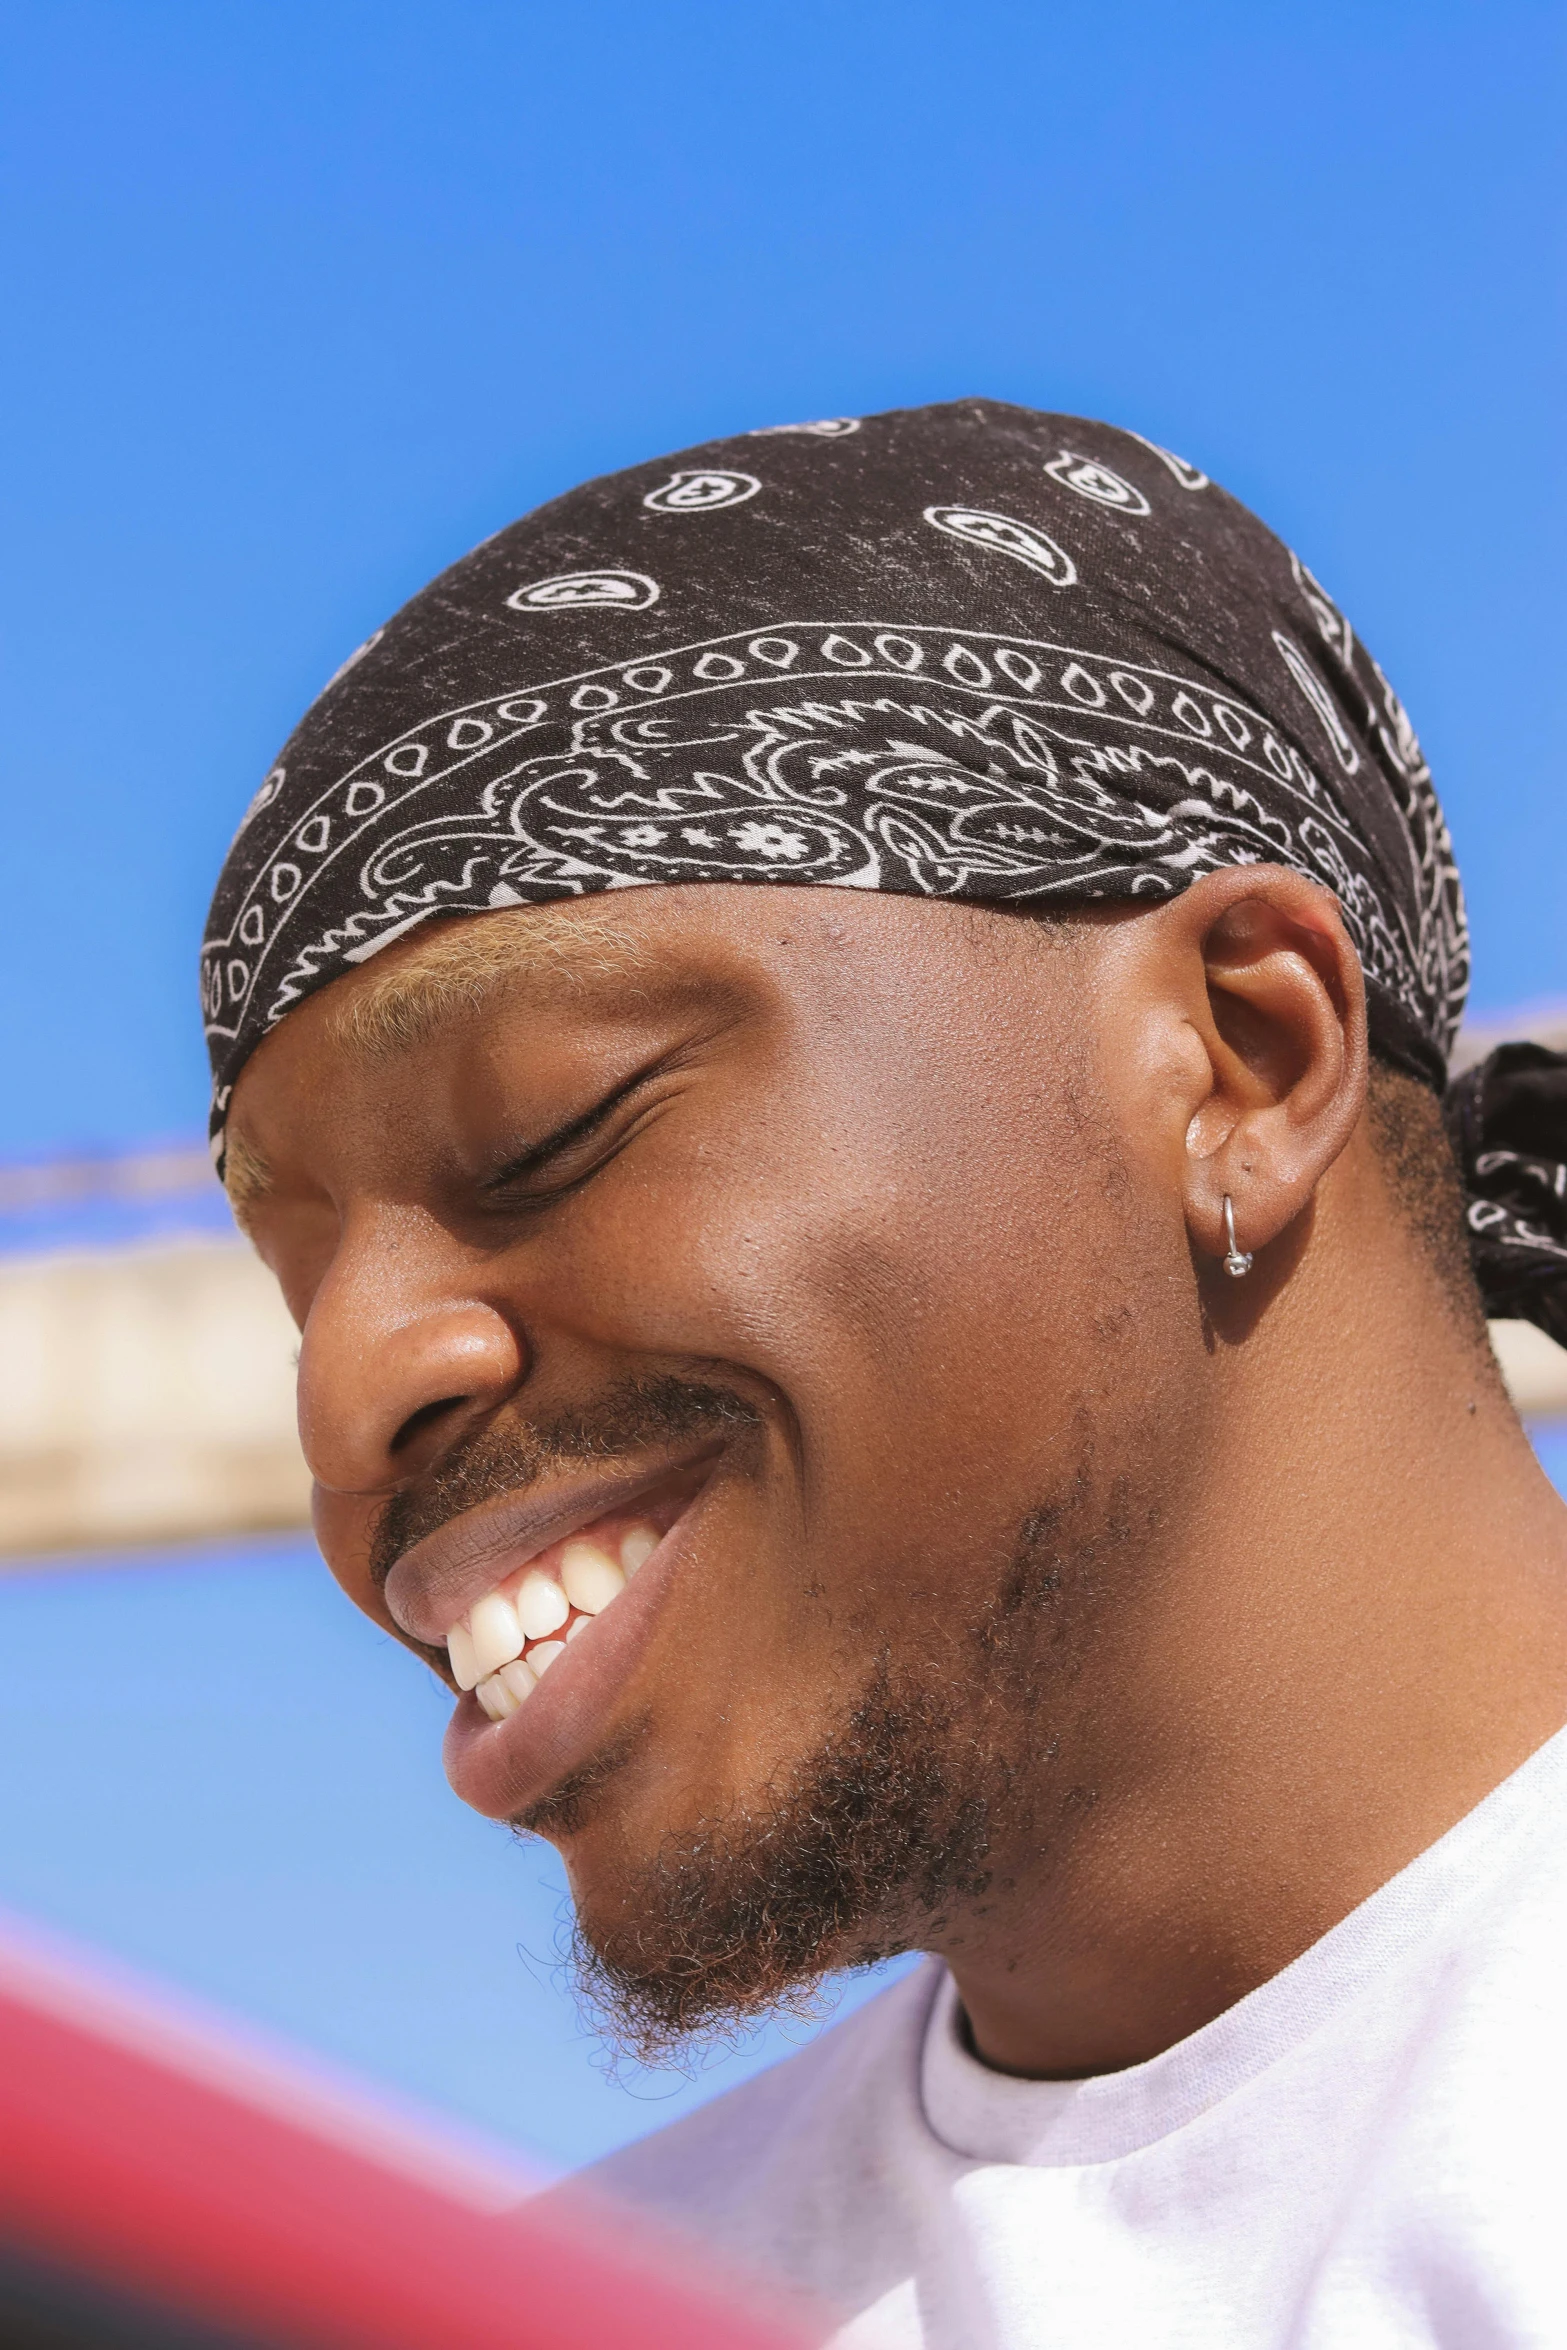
x: 739, y: 1920
x: 903, y: 1813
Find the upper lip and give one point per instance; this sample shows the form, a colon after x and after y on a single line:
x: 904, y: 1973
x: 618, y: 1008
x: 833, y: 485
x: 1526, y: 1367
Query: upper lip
x: 437, y: 1579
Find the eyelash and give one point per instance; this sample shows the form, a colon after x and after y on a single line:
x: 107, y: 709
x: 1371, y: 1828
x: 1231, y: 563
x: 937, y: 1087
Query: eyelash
x: 530, y: 1186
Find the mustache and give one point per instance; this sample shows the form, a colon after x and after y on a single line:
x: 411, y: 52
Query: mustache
x: 636, y: 1417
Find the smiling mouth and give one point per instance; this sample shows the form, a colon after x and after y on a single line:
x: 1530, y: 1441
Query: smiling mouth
x: 513, y: 1633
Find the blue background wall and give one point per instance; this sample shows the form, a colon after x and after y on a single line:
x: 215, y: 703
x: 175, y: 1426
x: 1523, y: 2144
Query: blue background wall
x: 307, y: 296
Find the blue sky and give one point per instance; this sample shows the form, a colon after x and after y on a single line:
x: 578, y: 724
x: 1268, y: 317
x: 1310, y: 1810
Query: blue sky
x: 305, y: 298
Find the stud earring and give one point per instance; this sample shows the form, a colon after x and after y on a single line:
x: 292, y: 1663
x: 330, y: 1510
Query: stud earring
x: 1236, y: 1261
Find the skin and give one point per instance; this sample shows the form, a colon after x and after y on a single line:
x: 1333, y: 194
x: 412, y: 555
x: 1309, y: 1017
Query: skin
x: 941, y: 1199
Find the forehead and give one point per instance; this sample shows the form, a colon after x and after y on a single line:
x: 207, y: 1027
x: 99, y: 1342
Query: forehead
x: 626, y: 945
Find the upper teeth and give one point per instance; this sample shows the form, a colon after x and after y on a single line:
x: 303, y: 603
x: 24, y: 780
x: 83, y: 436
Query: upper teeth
x: 516, y: 1631
x: 589, y: 1577
x: 542, y: 1606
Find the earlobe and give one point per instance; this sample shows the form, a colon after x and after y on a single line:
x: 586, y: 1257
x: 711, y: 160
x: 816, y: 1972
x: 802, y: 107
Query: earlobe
x: 1281, y: 1016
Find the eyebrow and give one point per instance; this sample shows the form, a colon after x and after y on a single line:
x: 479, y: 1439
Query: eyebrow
x: 461, y: 964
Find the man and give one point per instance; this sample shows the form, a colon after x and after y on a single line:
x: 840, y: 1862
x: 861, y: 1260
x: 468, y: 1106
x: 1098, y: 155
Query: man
x: 942, y: 1403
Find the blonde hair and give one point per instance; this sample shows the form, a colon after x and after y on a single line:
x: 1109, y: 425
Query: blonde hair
x: 456, y: 964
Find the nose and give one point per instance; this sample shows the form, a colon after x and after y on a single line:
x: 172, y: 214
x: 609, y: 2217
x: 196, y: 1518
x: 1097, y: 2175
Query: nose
x: 399, y: 1358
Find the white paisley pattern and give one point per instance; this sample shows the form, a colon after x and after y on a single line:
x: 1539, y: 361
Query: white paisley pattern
x: 568, y: 591
x: 1145, y: 690
x: 821, y: 428
x: 910, y: 758
x: 1025, y: 542
x: 701, y: 492
x: 1092, y: 480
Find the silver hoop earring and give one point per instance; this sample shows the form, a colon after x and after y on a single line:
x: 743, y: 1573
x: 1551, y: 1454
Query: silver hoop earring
x: 1236, y: 1262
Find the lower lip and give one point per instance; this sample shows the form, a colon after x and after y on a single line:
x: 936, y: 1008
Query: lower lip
x: 501, y: 1768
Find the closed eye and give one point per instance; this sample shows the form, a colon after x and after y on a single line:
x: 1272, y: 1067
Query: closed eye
x: 552, y: 1154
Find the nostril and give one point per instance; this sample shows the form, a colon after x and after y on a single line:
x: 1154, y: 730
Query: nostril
x: 427, y: 1416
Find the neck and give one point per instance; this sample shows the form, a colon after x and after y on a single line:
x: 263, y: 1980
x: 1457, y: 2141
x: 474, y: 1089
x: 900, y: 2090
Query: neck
x: 1360, y: 1630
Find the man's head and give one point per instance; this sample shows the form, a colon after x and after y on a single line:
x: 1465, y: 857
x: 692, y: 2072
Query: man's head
x: 833, y: 1270
x: 870, y: 1250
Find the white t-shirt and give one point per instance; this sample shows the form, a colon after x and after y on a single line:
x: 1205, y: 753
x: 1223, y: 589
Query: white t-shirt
x: 1369, y: 2149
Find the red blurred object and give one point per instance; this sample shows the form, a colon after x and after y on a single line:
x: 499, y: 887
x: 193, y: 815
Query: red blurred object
x: 163, y: 2184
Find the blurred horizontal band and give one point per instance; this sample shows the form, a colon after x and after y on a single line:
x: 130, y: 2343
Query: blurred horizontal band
x: 146, y: 1395
x: 151, y: 1174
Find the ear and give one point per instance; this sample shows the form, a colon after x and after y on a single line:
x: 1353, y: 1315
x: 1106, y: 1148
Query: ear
x: 1274, y: 994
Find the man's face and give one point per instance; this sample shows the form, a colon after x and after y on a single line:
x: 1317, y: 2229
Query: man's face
x: 816, y: 1235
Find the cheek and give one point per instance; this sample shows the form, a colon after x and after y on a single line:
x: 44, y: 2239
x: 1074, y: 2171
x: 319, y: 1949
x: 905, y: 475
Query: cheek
x: 692, y: 1251
x: 914, y: 1297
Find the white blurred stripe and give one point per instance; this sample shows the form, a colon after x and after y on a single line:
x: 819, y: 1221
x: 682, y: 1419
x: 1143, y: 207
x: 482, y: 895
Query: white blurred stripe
x: 138, y: 1175
x: 146, y: 1395
x: 1535, y: 1369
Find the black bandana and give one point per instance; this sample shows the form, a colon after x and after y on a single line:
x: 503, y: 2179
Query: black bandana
x: 968, y: 651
